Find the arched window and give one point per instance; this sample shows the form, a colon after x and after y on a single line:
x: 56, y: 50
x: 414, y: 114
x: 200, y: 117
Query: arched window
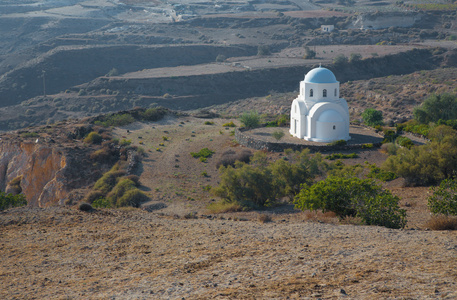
x: 324, y: 93
x: 334, y: 127
x: 335, y: 92
x: 311, y: 92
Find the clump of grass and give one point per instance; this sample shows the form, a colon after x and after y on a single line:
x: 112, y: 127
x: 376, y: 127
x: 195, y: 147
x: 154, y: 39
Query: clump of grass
x: 203, y: 153
x: 125, y: 142
x: 29, y: 134
x: 442, y: 222
x: 223, y: 207
x: 209, y: 123
x: 338, y: 143
x: 318, y: 216
x: 93, y: 138
x: 229, y: 124
x: 265, y: 218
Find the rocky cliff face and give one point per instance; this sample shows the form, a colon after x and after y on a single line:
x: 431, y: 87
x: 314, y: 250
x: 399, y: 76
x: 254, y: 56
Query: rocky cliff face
x: 49, y: 166
x: 41, y: 167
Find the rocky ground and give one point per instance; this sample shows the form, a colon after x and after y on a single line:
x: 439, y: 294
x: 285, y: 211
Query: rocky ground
x: 60, y: 253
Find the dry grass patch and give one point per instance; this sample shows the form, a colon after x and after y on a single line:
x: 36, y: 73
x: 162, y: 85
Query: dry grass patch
x: 442, y: 222
x: 224, y: 207
x: 318, y: 216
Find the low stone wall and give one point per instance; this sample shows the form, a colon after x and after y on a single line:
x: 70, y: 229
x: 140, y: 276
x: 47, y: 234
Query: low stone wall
x: 258, y: 144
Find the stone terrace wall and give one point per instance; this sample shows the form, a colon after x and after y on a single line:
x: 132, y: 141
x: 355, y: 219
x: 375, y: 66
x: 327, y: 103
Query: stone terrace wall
x: 255, y: 143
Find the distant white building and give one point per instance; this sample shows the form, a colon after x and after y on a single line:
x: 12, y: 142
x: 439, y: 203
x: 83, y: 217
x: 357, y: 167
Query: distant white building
x: 318, y: 113
x: 327, y: 28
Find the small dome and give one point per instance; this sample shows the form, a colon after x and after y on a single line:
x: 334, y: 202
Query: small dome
x: 330, y: 116
x: 320, y: 75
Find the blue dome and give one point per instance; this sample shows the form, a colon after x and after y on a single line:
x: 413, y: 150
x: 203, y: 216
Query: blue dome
x: 320, y: 75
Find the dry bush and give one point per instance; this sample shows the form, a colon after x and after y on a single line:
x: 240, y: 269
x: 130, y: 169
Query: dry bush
x: 318, y: 216
x: 92, y: 196
x: 442, y: 222
x: 264, y: 218
x: 103, y: 155
x: 351, y: 220
x: 135, y: 179
x: 229, y: 157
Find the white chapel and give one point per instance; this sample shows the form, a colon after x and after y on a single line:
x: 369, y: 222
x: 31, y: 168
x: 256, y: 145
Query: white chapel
x: 318, y: 114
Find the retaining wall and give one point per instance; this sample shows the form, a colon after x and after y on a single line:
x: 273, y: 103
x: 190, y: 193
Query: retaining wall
x: 255, y: 143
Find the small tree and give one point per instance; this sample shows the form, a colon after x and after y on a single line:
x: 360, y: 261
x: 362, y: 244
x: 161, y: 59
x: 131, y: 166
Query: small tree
x: 221, y: 58
x: 436, y: 107
x: 355, y: 57
x: 340, y: 60
x: 444, y: 198
x: 263, y: 50
x: 372, y: 117
x: 309, y: 54
x: 250, y: 119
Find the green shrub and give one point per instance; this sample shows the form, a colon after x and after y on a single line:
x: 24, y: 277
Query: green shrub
x: 372, y: 117
x: 119, y: 190
x: 125, y: 142
x: 93, y: 138
x: 101, y: 203
x: 279, y: 134
x: 444, y: 198
x: 436, y: 107
x: 229, y: 124
x: 250, y: 119
x: 404, y: 142
x: 108, y: 181
x: 10, y: 200
x: 203, y: 153
x: 427, y: 164
x: 261, y: 183
x: 353, y: 197
x: 367, y: 146
x: 378, y: 173
x: 154, y: 114
x: 334, y: 156
x: 209, y: 123
x: 93, y: 195
x: 133, y: 197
